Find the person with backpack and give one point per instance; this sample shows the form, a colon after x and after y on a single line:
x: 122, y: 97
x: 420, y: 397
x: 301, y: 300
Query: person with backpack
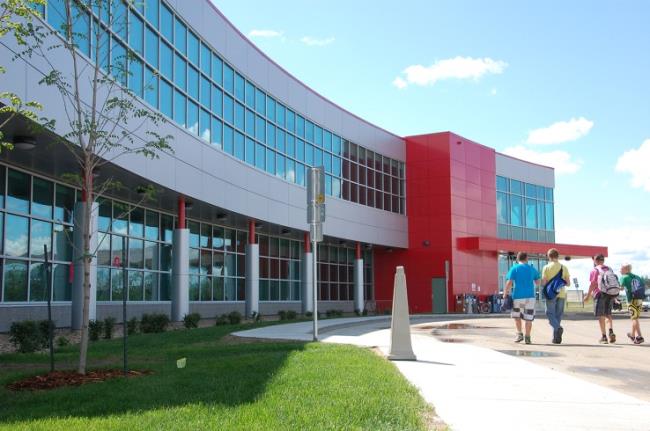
x: 524, y: 278
x: 604, y: 287
x: 555, y: 279
x: 635, y: 292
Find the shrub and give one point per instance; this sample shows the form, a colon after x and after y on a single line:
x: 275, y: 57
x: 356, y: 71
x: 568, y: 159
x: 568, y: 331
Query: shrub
x: 109, y: 325
x: 132, y: 326
x: 330, y: 313
x: 364, y: 312
x: 357, y: 312
x: 282, y: 314
x: 155, y: 322
x: 234, y: 317
x: 291, y: 315
x: 28, y: 336
x: 221, y: 320
x: 308, y: 314
x: 95, y: 328
x: 191, y: 320
x: 62, y: 341
x: 338, y: 313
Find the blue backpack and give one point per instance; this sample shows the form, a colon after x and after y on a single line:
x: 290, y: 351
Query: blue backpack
x: 554, y: 285
x: 638, y: 288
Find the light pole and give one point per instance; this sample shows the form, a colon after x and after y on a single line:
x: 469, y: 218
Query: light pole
x: 315, y: 218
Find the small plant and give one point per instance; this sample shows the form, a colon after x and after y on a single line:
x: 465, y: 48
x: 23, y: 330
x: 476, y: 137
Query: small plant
x: 191, y: 320
x: 95, y: 328
x: 256, y: 317
x: 109, y: 325
x: 62, y: 341
x: 357, y: 312
x: 221, y: 320
x: 28, y: 336
x: 234, y: 317
x: 291, y: 315
x: 155, y: 322
x: 364, y: 312
x: 309, y: 314
x: 132, y: 326
x: 338, y: 313
x: 282, y: 314
x: 330, y: 313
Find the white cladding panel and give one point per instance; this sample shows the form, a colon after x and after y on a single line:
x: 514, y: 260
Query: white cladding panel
x: 524, y: 171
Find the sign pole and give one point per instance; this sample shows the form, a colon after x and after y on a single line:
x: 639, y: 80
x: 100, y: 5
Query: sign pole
x: 50, y: 324
x: 125, y: 292
x: 315, y: 281
x: 315, y: 219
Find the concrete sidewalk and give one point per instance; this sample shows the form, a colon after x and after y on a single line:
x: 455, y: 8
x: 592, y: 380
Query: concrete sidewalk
x: 474, y: 388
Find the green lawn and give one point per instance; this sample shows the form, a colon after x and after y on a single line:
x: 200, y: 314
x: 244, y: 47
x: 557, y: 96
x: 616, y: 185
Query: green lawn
x: 226, y: 385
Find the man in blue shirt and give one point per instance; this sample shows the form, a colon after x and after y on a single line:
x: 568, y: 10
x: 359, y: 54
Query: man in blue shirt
x: 524, y: 278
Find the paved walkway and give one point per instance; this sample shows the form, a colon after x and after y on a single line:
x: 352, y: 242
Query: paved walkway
x: 474, y: 388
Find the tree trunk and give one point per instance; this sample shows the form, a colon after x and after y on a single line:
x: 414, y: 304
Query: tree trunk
x: 87, y: 260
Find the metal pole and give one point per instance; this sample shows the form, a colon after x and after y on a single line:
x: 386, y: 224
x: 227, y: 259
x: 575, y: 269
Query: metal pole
x: 315, y: 281
x: 50, y: 329
x: 125, y: 292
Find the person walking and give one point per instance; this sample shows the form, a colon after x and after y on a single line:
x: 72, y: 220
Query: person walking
x: 602, y: 288
x: 635, y: 291
x: 521, y: 281
x: 558, y: 275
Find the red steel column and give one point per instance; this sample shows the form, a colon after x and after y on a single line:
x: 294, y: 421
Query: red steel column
x: 181, y: 212
x: 307, y: 243
x: 357, y: 251
x: 251, y: 232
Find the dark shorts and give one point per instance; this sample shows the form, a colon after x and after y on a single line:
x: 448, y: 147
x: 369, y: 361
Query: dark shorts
x: 603, y: 304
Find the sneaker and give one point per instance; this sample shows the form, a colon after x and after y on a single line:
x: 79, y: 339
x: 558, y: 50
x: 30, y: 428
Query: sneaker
x: 520, y: 338
x: 612, y: 337
x: 639, y: 340
x: 555, y: 339
x: 560, y: 331
x: 603, y: 339
x: 527, y: 339
x: 631, y: 337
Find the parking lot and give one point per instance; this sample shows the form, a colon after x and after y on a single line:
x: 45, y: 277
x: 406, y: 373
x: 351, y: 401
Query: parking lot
x: 621, y: 366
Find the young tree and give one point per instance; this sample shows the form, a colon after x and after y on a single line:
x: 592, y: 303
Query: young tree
x: 16, y: 21
x: 105, y: 119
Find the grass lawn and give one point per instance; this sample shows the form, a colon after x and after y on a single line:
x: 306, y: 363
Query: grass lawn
x: 227, y: 385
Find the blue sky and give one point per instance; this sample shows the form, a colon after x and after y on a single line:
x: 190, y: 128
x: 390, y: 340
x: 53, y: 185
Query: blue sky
x: 576, y: 74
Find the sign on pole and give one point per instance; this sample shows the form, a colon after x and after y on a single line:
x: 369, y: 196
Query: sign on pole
x: 315, y: 218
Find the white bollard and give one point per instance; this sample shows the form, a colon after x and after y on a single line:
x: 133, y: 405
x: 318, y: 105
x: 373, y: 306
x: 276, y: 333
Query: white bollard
x: 400, y: 326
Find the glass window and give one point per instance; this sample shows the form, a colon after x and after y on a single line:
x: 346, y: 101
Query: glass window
x: 136, y: 253
x: 516, y: 211
x: 228, y: 139
x: 120, y: 218
x: 336, y: 166
x: 205, y: 91
x: 309, y: 154
x: 151, y: 48
x: 119, y: 18
x: 260, y: 101
x: 62, y: 283
x: 105, y: 215
x: 15, y: 281
x: 318, y: 136
x: 300, y: 126
x: 118, y: 62
x: 250, y: 151
x: 151, y: 287
x: 550, y: 222
x: 166, y: 61
x: 290, y: 121
x: 204, y: 125
x: 217, y: 101
x: 193, y: 117
x: 193, y: 82
x: 136, y: 34
x: 502, y: 184
x: 16, y: 236
x: 279, y: 140
x: 280, y: 114
x: 41, y: 235
x: 166, y: 22
x: 516, y: 187
x: 300, y: 150
x: 240, y: 119
x: 309, y: 131
x: 290, y: 169
x: 152, y: 226
x: 336, y: 145
x: 217, y: 69
x: 135, y: 286
x: 193, y: 48
x: 228, y: 109
x: 18, y: 191
x: 250, y: 94
x: 151, y: 9
x: 260, y: 162
x: 336, y: 188
x: 270, y: 135
x: 290, y: 146
x: 166, y: 98
x: 541, y: 217
x: 43, y: 198
x: 270, y: 161
x: 206, y: 60
x: 279, y: 165
x: 239, y: 145
x: 548, y: 194
x: 136, y: 227
x: 531, y: 190
x: 300, y: 174
x: 503, y: 211
x: 327, y: 140
x: 64, y: 204
x: 531, y: 213
x: 167, y: 227
x: 151, y: 87
x: 250, y: 123
x: 180, y: 72
x: 270, y: 108
x: 136, y: 74
x: 216, y: 137
x: 179, y: 108
x: 240, y: 87
x: 228, y: 78
x: 56, y: 15
x: 180, y: 36
x: 260, y: 129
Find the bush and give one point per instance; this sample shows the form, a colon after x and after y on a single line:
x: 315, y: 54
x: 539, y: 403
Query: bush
x: 95, y: 328
x: 234, y: 317
x: 364, y: 312
x: 155, y: 322
x: 109, y: 325
x: 282, y: 314
x: 62, y: 341
x: 132, y: 326
x: 338, y: 313
x: 191, y: 320
x: 330, y: 313
x: 308, y: 314
x: 29, y: 336
x: 221, y: 320
x: 291, y: 315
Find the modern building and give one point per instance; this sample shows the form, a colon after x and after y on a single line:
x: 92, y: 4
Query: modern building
x: 227, y: 229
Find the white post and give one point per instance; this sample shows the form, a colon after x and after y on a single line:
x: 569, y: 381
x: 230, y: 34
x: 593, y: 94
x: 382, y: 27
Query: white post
x: 400, y: 327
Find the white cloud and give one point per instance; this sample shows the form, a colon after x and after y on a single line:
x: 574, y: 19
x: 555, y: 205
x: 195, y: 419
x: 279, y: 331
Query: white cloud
x: 562, y: 131
x: 451, y: 68
x: 560, y: 160
x: 399, y: 83
x: 636, y: 162
x: 264, y: 33
x: 311, y: 41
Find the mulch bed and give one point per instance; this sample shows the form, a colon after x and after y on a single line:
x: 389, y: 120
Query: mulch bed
x: 58, y: 379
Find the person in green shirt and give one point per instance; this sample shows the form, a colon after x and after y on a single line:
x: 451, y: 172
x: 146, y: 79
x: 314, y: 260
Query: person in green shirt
x: 634, y: 305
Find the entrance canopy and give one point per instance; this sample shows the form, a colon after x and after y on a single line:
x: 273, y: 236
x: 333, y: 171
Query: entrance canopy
x: 480, y: 243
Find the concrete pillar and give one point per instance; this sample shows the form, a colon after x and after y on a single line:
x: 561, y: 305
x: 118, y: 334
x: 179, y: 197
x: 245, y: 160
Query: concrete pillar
x: 307, y: 278
x: 180, y: 266
x: 400, y: 327
x: 77, y: 259
x: 359, y: 297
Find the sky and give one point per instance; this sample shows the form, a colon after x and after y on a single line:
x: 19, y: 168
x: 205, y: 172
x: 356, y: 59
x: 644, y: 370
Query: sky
x: 565, y: 84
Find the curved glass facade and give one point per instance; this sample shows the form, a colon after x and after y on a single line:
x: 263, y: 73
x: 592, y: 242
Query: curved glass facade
x: 178, y: 73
